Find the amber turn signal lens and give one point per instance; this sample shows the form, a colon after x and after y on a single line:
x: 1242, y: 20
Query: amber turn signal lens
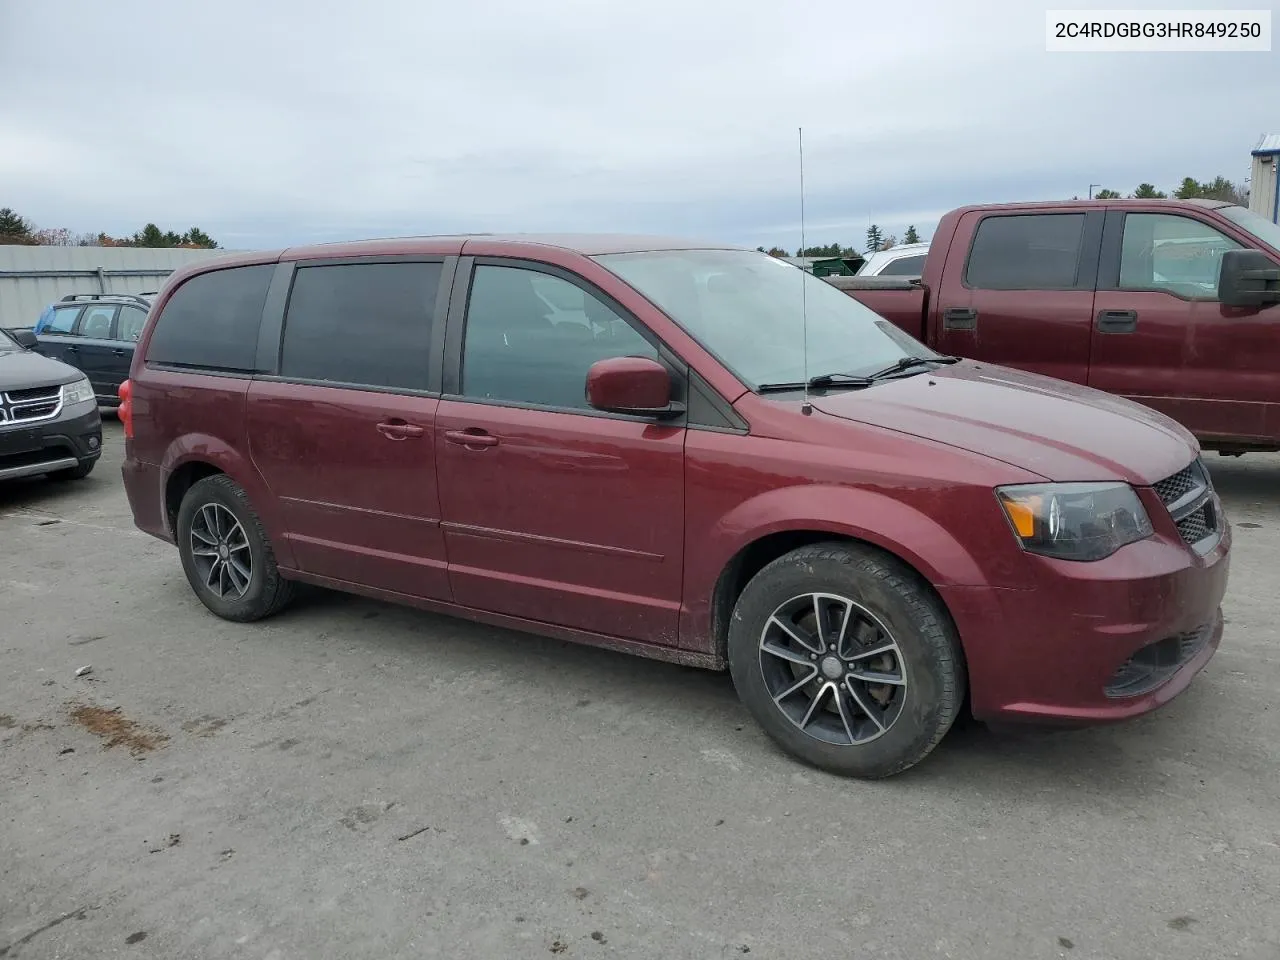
x: 1022, y: 514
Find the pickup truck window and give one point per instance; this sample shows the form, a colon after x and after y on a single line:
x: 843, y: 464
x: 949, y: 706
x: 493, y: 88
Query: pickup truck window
x: 905, y: 267
x: 1026, y: 252
x: 746, y: 309
x: 1176, y: 254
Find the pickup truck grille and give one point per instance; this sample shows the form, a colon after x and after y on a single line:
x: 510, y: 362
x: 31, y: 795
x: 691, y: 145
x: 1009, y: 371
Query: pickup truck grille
x: 1188, y: 496
x: 31, y: 405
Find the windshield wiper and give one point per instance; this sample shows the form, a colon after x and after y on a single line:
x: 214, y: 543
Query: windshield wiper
x: 818, y: 382
x: 906, y: 363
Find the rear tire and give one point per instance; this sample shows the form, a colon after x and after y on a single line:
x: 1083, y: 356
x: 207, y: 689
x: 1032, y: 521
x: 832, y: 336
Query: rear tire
x: 78, y: 472
x: 226, y: 554
x: 846, y: 660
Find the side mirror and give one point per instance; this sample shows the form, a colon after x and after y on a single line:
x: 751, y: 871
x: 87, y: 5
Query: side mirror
x: 26, y: 339
x: 634, y: 385
x: 1248, y: 278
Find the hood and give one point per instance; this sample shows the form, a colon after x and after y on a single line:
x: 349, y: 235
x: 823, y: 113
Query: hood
x: 22, y: 369
x: 1061, y: 431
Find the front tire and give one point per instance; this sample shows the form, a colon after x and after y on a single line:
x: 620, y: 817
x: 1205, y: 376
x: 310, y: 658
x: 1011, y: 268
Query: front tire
x: 226, y: 554
x: 78, y: 472
x: 846, y: 660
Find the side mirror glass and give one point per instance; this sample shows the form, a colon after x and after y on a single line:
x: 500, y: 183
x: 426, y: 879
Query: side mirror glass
x: 1248, y: 278
x: 26, y: 338
x: 634, y: 385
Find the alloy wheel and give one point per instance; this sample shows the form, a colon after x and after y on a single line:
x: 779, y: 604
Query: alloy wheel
x: 833, y: 669
x: 220, y: 551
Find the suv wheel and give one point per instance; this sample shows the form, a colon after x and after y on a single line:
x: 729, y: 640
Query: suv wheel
x: 226, y: 554
x: 846, y: 660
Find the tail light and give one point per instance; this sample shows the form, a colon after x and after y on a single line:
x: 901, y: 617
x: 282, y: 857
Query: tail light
x: 126, y: 408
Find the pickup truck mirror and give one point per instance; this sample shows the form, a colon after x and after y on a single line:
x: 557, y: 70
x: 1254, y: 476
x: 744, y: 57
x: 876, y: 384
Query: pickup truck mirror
x: 1248, y: 278
x: 26, y: 339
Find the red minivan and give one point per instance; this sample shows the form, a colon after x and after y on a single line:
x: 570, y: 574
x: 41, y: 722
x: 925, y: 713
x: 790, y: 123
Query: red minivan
x: 624, y: 441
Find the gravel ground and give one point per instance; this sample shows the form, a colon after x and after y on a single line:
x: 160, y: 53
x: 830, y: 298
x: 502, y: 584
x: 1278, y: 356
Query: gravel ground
x: 355, y: 780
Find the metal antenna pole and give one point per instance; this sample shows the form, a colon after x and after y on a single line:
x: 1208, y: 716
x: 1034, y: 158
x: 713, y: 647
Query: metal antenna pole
x: 804, y: 289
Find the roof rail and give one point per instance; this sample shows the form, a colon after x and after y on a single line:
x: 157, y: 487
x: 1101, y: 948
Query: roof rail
x: 74, y: 297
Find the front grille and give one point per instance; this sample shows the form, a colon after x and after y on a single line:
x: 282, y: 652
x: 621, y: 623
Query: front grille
x: 1172, y: 489
x: 1156, y: 662
x: 34, y: 393
x: 1188, y: 496
x: 30, y: 405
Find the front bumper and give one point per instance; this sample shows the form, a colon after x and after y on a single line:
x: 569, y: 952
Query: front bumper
x: 59, y: 444
x: 1093, y: 642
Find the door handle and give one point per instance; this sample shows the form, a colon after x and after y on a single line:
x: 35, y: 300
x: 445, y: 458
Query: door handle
x: 960, y: 318
x: 399, y: 430
x: 118, y: 353
x: 73, y: 347
x: 472, y: 437
x: 1117, y: 321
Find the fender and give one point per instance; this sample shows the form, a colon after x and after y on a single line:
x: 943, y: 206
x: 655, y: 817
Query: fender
x: 205, y: 448
x: 857, y: 512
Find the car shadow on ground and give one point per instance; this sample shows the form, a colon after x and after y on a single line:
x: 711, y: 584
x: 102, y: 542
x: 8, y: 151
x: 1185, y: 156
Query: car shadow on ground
x: 1005, y: 762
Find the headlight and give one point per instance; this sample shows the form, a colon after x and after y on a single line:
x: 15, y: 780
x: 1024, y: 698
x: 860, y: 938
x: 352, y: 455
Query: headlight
x: 1075, y: 521
x: 79, y: 392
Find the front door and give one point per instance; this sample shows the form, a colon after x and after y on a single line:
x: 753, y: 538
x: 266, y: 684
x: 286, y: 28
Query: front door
x: 93, y: 348
x: 344, y: 435
x: 553, y: 511
x: 1162, y: 338
x: 1020, y: 292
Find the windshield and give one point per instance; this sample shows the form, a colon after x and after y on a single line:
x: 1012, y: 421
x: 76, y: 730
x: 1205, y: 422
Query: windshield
x: 745, y: 308
x: 1260, y: 227
x: 7, y: 343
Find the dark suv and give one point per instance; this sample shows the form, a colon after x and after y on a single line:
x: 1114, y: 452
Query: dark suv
x: 626, y: 442
x: 96, y: 333
x: 49, y: 422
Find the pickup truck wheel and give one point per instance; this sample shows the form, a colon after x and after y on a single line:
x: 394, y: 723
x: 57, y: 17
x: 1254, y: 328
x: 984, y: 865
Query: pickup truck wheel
x: 846, y: 660
x: 226, y: 554
x: 78, y: 472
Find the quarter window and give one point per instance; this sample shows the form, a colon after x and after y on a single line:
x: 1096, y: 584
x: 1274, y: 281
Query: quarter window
x: 531, y: 337
x: 367, y: 324
x: 1179, y: 255
x: 1026, y: 252
x: 211, y: 322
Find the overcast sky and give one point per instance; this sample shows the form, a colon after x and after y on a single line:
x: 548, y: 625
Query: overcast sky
x: 268, y: 123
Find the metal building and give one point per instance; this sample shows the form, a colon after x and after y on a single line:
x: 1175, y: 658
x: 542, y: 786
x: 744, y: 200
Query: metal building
x: 1264, y: 192
x: 31, y: 278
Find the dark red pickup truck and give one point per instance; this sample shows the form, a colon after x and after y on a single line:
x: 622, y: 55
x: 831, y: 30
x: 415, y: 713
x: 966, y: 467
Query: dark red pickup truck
x: 1172, y: 303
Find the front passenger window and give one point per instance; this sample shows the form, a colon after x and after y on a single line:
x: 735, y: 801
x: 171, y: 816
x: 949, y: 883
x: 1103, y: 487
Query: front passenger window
x: 1179, y: 255
x: 531, y: 337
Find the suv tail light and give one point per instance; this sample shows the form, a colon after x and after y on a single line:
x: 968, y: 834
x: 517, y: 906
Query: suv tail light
x: 126, y: 408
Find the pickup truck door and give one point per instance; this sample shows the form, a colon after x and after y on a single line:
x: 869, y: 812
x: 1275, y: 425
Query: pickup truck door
x: 1017, y: 289
x: 1162, y: 338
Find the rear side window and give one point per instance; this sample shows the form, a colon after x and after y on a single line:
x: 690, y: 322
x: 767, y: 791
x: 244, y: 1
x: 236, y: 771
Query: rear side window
x: 1026, y: 252
x: 905, y: 267
x: 367, y: 324
x: 96, y: 322
x: 129, y: 326
x: 211, y: 321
